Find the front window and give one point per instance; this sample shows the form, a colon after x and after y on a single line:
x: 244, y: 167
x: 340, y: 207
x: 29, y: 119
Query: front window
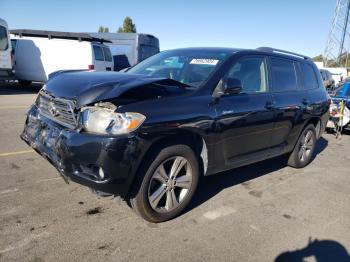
x: 190, y: 67
x: 3, y: 38
x: 251, y: 71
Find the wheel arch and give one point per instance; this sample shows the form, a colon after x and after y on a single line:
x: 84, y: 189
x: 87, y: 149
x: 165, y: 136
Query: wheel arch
x: 316, y: 121
x: 192, y: 139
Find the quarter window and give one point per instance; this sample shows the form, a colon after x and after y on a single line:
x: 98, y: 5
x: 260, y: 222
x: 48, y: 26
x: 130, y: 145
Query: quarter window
x: 98, y: 53
x: 251, y: 72
x: 4, y: 42
x: 309, y: 76
x: 283, y: 75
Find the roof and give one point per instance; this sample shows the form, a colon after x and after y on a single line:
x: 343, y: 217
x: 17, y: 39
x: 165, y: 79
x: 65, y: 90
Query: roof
x: 57, y: 34
x: 215, y: 49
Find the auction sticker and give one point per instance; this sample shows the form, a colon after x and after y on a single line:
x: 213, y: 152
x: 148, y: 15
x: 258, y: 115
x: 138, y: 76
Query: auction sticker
x: 204, y: 61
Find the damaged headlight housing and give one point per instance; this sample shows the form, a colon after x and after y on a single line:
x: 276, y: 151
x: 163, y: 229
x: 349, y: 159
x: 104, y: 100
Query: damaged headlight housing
x: 105, y: 121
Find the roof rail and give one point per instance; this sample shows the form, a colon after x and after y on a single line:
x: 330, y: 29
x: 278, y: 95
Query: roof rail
x: 274, y: 50
x: 57, y: 34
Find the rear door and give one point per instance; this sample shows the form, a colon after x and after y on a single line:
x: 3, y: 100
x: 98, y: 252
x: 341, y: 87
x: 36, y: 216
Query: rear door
x: 98, y: 58
x: 290, y: 101
x: 108, y: 58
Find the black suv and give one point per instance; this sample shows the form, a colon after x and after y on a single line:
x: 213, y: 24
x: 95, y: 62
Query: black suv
x: 147, y: 135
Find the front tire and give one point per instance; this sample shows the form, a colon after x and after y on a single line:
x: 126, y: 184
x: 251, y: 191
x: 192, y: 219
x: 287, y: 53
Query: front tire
x: 304, y: 148
x: 168, y: 185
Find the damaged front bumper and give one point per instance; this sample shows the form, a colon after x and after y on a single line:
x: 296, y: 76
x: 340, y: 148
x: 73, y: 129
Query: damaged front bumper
x: 103, y: 163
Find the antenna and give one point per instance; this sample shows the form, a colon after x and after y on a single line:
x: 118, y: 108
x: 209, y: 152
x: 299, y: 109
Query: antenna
x: 338, y: 42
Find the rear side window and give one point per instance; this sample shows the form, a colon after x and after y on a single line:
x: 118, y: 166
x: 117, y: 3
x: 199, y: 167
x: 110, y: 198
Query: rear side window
x: 98, y: 53
x: 4, y: 44
x: 107, y: 53
x: 283, y: 75
x: 309, y: 76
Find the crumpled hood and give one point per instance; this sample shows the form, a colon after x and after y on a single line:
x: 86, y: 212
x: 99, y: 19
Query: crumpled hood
x: 89, y: 87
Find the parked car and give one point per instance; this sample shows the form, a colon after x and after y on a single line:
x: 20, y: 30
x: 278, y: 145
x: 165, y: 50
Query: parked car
x: 6, y: 71
x: 147, y: 135
x: 328, y: 81
x: 40, y: 53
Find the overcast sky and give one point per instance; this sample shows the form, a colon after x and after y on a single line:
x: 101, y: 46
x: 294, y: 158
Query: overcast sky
x: 299, y: 25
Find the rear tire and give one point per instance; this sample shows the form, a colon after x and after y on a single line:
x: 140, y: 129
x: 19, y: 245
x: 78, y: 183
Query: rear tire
x: 304, y: 148
x: 24, y: 83
x: 168, y: 185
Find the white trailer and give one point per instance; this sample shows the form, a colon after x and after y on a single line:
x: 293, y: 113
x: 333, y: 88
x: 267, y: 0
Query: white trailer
x: 40, y: 53
x: 5, y: 52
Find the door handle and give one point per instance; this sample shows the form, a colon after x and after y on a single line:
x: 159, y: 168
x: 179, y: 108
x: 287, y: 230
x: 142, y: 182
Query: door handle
x: 270, y: 105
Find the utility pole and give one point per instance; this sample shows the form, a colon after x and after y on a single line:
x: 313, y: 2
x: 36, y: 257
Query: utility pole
x: 338, y: 42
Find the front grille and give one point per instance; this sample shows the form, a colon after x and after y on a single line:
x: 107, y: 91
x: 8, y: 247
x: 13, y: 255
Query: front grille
x: 57, y: 109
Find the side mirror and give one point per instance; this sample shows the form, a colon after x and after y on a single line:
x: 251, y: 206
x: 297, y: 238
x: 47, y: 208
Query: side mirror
x: 232, y: 86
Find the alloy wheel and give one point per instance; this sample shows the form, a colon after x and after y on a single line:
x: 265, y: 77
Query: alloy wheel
x: 306, y: 146
x: 170, y: 184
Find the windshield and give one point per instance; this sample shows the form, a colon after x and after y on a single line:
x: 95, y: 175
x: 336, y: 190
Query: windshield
x: 190, y: 67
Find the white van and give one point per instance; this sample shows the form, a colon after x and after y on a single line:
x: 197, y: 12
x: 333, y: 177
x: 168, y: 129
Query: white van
x: 5, y: 52
x: 129, y: 49
x: 40, y: 53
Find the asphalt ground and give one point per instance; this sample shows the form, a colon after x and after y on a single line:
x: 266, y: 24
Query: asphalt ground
x: 263, y: 212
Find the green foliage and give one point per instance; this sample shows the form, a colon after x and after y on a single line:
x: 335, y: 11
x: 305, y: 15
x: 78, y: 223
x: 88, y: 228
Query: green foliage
x: 318, y: 58
x: 344, y: 61
x: 128, y: 26
x: 102, y: 29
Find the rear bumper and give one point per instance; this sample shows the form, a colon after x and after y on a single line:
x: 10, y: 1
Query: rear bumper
x: 79, y: 157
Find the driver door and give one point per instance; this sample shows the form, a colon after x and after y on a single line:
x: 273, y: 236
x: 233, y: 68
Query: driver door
x: 245, y: 120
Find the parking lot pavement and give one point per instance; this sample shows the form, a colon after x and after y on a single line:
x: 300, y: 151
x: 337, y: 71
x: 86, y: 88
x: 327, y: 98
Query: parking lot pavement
x: 263, y: 212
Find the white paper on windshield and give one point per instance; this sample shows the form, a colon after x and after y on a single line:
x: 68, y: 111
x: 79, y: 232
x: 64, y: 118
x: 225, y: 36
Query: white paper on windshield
x: 204, y: 61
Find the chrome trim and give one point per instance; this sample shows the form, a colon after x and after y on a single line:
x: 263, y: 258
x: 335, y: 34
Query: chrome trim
x: 57, y: 109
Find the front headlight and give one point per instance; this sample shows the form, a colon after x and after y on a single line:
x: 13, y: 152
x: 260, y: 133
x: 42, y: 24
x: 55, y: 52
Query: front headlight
x: 105, y: 121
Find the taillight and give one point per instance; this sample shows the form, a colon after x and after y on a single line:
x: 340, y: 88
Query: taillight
x: 91, y: 67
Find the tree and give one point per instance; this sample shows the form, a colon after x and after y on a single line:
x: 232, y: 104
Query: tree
x: 318, y: 58
x: 128, y: 26
x: 342, y: 61
x: 102, y: 29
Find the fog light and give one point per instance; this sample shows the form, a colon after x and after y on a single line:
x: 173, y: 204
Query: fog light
x: 101, y: 173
